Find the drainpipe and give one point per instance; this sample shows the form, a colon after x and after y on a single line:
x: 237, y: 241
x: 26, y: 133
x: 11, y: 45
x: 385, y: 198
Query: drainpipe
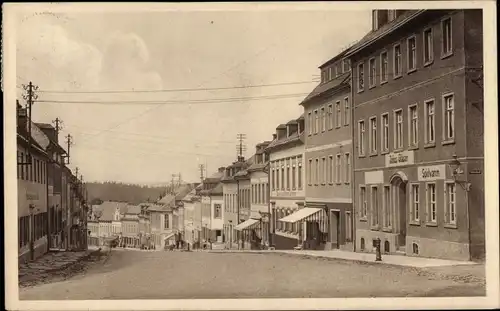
x: 353, y: 148
x: 238, y: 211
x: 268, y: 169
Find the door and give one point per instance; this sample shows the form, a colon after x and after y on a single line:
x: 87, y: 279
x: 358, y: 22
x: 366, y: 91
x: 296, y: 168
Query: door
x: 399, y: 202
x: 334, y: 228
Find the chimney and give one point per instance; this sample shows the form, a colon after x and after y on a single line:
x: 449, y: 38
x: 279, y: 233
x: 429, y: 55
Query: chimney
x: 274, y: 136
x: 379, y: 18
x: 22, y: 117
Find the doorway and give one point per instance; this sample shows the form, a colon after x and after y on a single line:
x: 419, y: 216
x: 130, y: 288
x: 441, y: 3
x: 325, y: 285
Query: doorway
x: 335, y: 228
x: 399, y: 208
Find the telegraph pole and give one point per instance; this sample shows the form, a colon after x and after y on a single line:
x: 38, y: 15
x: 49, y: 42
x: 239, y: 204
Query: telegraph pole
x: 69, y: 142
x: 30, y: 97
x: 241, y: 147
x: 58, y: 124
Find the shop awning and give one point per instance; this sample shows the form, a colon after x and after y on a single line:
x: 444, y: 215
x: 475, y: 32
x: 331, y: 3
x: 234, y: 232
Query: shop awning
x: 171, y: 235
x: 301, y: 214
x: 247, y: 224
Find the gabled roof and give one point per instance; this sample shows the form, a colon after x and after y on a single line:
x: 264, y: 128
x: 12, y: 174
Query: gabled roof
x: 133, y: 210
x: 284, y: 142
x: 107, y: 209
x: 372, y: 36
x: 166, y: 200
x: 324, y: 88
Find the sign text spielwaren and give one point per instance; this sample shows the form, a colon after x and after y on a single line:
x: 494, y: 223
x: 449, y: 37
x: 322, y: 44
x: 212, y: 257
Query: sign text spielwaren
x: 429, y: 173
x: 399, y: 158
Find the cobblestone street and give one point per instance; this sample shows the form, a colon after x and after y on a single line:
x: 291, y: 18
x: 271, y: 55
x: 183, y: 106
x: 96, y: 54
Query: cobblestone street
x: 185, y: 275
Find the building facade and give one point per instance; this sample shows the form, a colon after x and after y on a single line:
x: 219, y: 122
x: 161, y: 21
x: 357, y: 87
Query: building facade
x: 287, y: 188
x: 212, y: 208
x: 328, y: 151
x: 259, y: 194
x: 418, y: 158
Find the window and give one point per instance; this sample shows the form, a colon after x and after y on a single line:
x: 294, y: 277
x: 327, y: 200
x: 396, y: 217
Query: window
x: 316, y: 122
x: 348, y: 226
x: 330, y: 75
x: 415, y: 202
x: 309, y: 173
x: 413, y: 125
x: 331, y: 167
x: 323, y: 119
x: 362, y: 201
x: 23, y: 176
x: 384, y: 67
x: 338, y: 115
x: 338, y: 170
x: 446, y: 37
x: 323, y: 170
x: 299, y: 173
x: 347, y: 111
x: 273, y: 179
x: 385, y: 132
x: 397, y: 61
x: 412, y: 53
x: 294, y: 177
x: 361, y: 83
x: 386, y: 207
x: 374, y: 206
x: 347, y: 176
x: 431, y: 203
x: 330, y: 116
x: 166, y: 223
x: 337, y: 71
x: 288, y: 174
x: 373, y: 135
x: 449, y: 117
x: 398, y: 137
x: 391, y: 15
x: 310, y: 123
x: 428, y: 46
x: 450, y: 212
x: 323, y: 76
x: 372, y: 72
x: 361, y: 138
x: 282, y: 174
x: 430, y: 125
x: 346, y: 64
x: 316, y: 174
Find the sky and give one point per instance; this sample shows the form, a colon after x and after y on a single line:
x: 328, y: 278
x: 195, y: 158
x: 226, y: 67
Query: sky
x: 146, y: 57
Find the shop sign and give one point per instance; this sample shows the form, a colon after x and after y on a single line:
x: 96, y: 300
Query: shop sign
x: 475, y: 172
x: 430, y: 173
x: 31, y: 196
x: 399, y: 158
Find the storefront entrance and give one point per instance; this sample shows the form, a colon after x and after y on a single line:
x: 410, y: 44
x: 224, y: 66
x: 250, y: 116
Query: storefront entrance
x: 334, y: 228
x: 398, y: 190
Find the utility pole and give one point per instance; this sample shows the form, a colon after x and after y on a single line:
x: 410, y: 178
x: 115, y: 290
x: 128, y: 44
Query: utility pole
x: 69, y: 142
x: 30, y: 97
x: 58, y: 124
x: 202, y: 168
x: 241, y: 147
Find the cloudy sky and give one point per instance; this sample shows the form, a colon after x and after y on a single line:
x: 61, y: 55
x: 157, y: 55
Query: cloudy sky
x: 148, y: 129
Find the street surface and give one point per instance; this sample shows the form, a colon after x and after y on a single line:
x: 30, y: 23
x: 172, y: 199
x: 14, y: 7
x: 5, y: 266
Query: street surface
x: 203, y: 275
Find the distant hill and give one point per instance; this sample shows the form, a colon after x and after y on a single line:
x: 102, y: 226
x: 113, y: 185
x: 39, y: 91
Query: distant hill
x: 134, y: 194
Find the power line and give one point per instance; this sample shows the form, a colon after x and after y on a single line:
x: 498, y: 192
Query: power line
x: 172, y: 102
x: 177, y: 90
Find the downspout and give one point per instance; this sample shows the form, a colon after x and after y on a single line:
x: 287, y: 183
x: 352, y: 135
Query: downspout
x: 238, y: 210
x: 353, y: 148
x: 268, y: 169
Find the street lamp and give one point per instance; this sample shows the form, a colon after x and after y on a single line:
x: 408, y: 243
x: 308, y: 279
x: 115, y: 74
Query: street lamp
x: 455, y: 165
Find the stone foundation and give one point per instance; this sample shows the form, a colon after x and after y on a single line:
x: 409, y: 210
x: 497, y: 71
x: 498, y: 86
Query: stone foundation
x: 415, y: 246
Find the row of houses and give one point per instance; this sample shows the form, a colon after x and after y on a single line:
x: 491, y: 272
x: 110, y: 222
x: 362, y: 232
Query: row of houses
x: 52, y: 207
x: 389, y: 146
x: 149, y: 225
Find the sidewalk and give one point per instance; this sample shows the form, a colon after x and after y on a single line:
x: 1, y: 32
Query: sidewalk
x: 51, y: 263
x: 397, y: 260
